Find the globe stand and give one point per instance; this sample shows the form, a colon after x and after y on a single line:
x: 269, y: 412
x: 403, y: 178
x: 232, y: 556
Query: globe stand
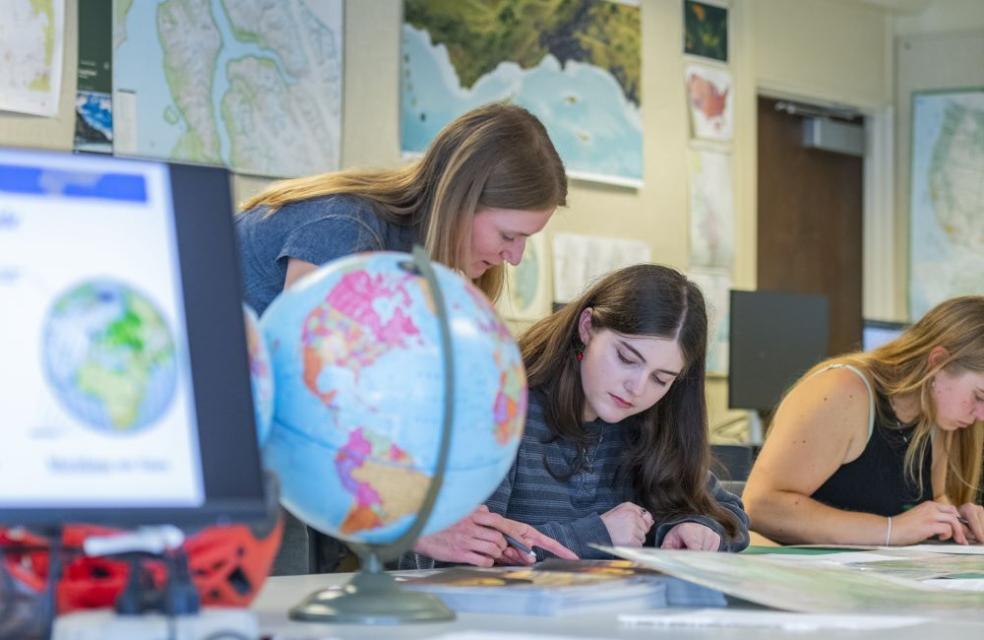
x: 372, y: 596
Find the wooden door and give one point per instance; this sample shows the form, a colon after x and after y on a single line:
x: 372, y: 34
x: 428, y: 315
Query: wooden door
x: 809, y: 222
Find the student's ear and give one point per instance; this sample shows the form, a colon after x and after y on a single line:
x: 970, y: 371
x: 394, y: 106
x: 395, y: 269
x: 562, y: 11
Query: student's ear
x: 584, y: 326
x: 937, y: 356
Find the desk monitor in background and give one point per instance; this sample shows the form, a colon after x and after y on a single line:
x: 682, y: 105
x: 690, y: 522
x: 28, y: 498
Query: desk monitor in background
x: 878, y: 332
x: 775, y: 338
x: 124, y: 382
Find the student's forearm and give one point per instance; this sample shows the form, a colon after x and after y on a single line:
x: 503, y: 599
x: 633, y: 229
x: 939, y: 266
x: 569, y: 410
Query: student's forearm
x: 793, y: 518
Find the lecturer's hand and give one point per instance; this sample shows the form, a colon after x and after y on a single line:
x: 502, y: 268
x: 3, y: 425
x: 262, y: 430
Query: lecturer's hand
x: 690, y: 535
x: 477, y: 539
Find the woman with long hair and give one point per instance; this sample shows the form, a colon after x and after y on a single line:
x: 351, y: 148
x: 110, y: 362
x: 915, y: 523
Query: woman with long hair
x: 883, y: 447
x: 489, y: 180
x: 616, y: 449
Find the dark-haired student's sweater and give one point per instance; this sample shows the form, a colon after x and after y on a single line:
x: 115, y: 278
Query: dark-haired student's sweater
x: 568, y: 506
x: 569, y: 510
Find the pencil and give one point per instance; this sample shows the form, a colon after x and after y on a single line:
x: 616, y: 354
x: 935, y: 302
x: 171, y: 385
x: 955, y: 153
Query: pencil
x: 513, y: 542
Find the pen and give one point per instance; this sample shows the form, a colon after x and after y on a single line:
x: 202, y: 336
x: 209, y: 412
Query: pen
x: 513, y: 542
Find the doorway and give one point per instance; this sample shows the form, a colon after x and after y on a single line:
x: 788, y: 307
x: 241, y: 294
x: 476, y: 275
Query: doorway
x: 810, y: 208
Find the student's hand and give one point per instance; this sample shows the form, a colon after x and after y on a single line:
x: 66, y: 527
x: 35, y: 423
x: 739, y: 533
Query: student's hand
x: 627, y: 524
x: 974, y: 525
x: 926, y: 520
x: 691, y: 535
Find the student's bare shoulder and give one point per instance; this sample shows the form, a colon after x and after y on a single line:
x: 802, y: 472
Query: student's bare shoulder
x: 837, y: 398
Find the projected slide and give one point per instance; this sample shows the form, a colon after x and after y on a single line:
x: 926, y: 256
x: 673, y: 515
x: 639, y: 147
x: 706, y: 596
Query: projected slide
x: 95, y: 380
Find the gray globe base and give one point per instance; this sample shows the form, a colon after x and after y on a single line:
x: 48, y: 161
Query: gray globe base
x: 371, y: 598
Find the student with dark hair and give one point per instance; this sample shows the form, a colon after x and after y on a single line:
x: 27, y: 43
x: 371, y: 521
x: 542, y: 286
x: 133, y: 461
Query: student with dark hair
x: 615, y: 449
x: 883, y: 447
x: 489, y: 180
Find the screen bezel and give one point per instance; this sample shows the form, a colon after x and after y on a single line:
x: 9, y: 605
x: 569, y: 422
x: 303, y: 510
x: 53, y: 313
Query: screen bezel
x: 231, y: 470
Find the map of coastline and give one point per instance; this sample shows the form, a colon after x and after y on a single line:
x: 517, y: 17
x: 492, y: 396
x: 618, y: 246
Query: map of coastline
x: 480, y: 37
x: 947, y: 229
x: 254, y: 85
x: 573, y: 63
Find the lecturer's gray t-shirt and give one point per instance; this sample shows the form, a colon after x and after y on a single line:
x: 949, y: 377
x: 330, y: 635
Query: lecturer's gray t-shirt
x: 316, y: 231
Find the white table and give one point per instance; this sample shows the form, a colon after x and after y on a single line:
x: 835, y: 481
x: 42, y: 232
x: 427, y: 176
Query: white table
x: 281, y: 593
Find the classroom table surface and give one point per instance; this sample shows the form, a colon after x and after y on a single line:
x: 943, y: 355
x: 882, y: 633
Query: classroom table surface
x: 281, y: 593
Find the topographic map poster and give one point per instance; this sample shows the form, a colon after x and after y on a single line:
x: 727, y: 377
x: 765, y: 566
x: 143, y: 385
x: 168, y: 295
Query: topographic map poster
x: 255, y: 85
x: 712, y: 215
x: 710, y: 102
x: 573, y: 63
x: 946, y: 256
x: 32, y: 40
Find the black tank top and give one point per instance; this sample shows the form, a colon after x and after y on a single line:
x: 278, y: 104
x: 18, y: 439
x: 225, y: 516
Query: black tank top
x: 876, y: 481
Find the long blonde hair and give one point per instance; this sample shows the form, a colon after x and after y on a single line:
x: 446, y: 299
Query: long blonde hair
x: 902, y: 368
x: 497, y: 156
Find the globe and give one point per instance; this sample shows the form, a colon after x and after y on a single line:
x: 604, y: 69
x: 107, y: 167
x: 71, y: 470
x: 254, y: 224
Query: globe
x: 109, y: 356
x: 260, y: 374
x: 358, y: 375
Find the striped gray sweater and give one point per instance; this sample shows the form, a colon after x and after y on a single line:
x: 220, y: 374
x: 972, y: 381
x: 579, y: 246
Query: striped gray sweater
x: 569, y: 509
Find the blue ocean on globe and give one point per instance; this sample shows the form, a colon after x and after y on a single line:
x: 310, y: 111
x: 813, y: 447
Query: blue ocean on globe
x: 109, y: 356
x: 358, y: 376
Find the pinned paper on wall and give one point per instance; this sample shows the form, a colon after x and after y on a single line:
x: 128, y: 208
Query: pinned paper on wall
x: 528, y: 292
x: 705, y: 29
x: 712, y: 215
x: 32, y: 42
x: 579, y: 260
x: 710, y: 99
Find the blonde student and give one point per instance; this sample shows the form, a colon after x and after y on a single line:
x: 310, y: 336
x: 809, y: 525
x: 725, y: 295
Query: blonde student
x: 489, y: 180
x: 881, y: 448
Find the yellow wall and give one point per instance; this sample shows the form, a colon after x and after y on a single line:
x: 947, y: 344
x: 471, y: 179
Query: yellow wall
x: 825, y: 50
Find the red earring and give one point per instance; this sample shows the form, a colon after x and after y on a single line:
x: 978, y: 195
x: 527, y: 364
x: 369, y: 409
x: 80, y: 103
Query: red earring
x: 579, y: 355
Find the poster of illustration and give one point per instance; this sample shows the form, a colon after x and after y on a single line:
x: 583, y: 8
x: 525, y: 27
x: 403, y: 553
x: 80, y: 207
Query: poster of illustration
x: 705, y: 30
x: 710, y: 99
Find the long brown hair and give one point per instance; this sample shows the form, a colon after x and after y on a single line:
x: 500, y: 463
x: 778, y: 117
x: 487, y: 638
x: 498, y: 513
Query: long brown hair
x: 670, y: 457
x: 902, y: 368
x: 496, y: 156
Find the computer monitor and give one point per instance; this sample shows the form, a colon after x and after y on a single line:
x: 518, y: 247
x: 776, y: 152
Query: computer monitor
x: 878, y: 332
x: 774, y: 338
x: 124, y: 384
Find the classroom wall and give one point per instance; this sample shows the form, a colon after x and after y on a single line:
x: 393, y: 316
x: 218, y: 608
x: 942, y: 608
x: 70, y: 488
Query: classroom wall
x: 835, y: 51
x: 941, y: 48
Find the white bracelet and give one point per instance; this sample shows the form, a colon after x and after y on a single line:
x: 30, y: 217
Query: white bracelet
x: 888, y: 532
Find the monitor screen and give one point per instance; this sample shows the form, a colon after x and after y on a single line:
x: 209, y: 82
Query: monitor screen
x: 124, y: 380
x: 775, y: 337
x: 878, y: 332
